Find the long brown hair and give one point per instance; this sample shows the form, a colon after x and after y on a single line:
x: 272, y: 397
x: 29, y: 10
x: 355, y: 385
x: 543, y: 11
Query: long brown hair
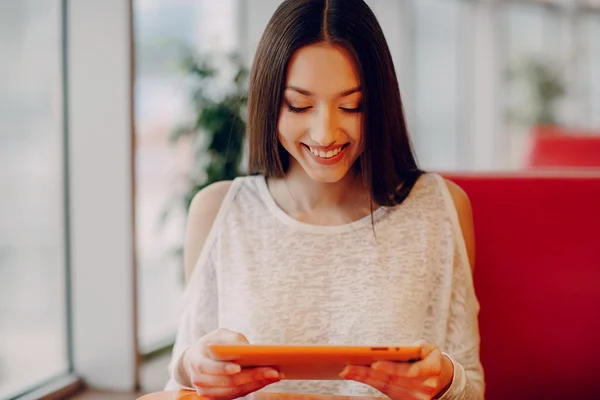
x: 387, y: 163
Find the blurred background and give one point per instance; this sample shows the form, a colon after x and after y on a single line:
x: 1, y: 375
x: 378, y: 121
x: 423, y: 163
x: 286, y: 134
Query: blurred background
x: 489, y: 86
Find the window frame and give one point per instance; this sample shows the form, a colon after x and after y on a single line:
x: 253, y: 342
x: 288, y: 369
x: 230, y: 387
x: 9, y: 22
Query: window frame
x: 99, y: 257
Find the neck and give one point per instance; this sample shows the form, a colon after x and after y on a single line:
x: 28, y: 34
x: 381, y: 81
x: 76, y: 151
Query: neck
x: 310, y: 195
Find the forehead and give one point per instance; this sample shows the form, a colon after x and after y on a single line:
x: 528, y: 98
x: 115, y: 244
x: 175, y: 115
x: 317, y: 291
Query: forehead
x: 323, y: 69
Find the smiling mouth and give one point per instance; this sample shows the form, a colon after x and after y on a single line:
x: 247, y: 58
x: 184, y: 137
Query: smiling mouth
x: 326, y: 154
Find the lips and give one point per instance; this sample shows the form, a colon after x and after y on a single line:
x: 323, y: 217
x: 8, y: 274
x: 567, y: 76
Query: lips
x: 326, y: 154
x: 330, y: 156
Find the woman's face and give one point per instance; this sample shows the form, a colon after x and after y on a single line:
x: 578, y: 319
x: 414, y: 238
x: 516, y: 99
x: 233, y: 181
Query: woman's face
x: 320, y: 122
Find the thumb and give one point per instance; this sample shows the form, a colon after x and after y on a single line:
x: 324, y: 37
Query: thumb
x: 228, y: 336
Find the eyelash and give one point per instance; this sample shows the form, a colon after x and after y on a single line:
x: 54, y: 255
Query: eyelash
x: 297, y: 110
x: 352, y: 110
x: 304, y: 109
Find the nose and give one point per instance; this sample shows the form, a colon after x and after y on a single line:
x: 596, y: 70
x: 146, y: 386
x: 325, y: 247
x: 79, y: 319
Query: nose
x: 324, y: 127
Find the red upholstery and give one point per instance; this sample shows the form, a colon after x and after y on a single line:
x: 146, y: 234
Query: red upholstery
x: 555, y: 147
x: 537, y: 277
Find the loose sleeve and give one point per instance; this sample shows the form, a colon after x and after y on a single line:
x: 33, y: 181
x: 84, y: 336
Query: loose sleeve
x: 462, y: 339
x: 199, y: 316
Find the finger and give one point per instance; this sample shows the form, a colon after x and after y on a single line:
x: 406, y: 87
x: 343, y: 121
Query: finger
x: 386, y: 384
x: 405, y: 370
x: 223, y: 336
x: 212, y: 367
x: 244, y: 377
x: 362, y: 372
x: 426, y: 348
x: 366, y: 373
x: 233, y: 392
x: 431, y: 365
x: 227, y: 336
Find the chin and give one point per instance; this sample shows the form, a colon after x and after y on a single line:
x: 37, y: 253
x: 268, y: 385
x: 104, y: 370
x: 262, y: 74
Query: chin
x: 321, y: 176
x: 322, y: 173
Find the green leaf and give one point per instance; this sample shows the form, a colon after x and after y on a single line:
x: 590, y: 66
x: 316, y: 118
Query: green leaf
x: 219, y: 121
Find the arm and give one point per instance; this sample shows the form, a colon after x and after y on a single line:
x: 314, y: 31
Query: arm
x: 463, y: 329
x: 465, y: 218
x: 202, y: 213
x: 200, y: 293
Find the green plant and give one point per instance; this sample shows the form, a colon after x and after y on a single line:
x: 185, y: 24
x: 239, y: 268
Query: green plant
x: 539, y: 87
x: 218, y: 96
x: 218, y: 99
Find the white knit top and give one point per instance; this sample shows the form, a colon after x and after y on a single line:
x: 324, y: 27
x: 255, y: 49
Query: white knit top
x: 280, y: 281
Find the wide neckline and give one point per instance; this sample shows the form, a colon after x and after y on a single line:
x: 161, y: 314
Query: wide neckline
x: 288, y: 220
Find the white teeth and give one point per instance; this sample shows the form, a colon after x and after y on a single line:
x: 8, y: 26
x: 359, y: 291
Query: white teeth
x: 323, y: 154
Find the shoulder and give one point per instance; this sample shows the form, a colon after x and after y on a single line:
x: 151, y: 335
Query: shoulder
x: 201, y: 215
x: 460, y: 198
x: 206, y: 202
x: 465, y: 217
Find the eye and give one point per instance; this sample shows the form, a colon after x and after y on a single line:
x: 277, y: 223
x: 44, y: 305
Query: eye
x: 352, y: 110
x: 296, y: 109
x: 293, y: 109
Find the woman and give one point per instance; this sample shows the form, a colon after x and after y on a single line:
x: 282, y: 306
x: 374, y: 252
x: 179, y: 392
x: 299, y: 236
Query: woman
x: 338, y: 238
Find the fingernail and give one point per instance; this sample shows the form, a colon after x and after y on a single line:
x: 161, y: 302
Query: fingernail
x: 232, y: 368
x: 345, y: 372
x: 413, y: 371
x: 272, y: 374
x: 430, y: 383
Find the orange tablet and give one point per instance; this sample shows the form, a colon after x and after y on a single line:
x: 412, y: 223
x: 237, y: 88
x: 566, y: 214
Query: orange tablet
x: 311, y: 362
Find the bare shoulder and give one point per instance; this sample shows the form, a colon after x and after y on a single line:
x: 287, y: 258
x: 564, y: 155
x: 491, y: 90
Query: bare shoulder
x: 465, y: 217
x: 202, y: 213
x: 209, y: 199
x: 460, y: 197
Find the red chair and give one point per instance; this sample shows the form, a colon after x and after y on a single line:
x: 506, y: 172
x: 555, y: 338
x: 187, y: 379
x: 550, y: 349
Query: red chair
x: 537, y: 277
x: 555, y: 147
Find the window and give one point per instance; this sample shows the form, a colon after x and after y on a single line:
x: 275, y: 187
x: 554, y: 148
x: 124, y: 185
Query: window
x: 33, y: 334
x: 590, y: 68
x: 530, y: 29
x: 530, y: 36
x: 162, y: 28
x: 442, y: 61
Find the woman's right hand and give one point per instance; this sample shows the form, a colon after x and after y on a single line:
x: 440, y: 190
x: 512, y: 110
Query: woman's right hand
x: 223, y: 379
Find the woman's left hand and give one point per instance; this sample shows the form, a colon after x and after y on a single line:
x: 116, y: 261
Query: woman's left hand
x: 425, y: 379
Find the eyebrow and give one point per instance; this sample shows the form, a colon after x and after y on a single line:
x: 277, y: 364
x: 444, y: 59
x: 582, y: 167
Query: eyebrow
x: 307, y: 93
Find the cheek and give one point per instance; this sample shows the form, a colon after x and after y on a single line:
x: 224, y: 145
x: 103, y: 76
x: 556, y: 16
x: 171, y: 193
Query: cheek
x: 354, y: 129
x: 290, y: 128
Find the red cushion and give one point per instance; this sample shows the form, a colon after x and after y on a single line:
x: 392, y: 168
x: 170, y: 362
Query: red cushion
x: 556, y: 147
x: 537, y: 277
